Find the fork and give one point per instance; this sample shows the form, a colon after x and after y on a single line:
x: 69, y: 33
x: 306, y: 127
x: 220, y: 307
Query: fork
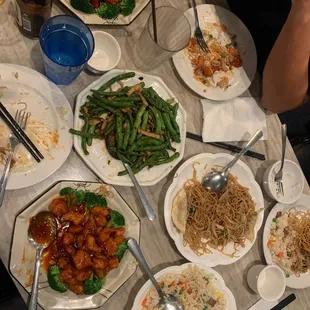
x: 21, y: 117
x: 198, y: 33
x: 278, y: 177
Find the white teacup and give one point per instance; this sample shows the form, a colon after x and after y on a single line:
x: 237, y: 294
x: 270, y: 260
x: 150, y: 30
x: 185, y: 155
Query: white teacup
x: 267, y: 281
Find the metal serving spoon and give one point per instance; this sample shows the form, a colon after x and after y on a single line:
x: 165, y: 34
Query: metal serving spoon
x: 166, y: 302
x: 217, y: 181
x: 144, y: 201
x: 41, y: 232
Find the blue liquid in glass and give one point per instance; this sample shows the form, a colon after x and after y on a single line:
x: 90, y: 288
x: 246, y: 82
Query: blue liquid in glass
x: 65, y: 47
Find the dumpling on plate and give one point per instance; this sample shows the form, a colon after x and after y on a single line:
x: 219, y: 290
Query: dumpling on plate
x: 179, y: 212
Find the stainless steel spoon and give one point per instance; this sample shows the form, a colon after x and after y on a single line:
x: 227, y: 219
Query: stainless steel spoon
x: 48, y: 218
x: 217, y: 181
x: 144, y: 201
x: 166, y: 302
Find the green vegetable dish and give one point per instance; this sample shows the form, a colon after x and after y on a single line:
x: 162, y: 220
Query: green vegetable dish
x: 108, y: 9
x: 138, y: 126
x: 89, y: 243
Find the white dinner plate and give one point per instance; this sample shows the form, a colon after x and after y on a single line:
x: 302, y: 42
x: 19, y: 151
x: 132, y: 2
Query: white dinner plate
x: 218, y: 282
x: 203, y: 164
x: 22, y: 256
x: 303, y: 203
x: 241, y: 78
x: 48, y: 127
x: 100, y: 161
x: 94, y: 19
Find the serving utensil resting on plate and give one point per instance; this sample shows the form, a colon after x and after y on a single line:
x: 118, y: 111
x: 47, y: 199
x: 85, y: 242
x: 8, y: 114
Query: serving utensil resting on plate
x: 217, y: 181
x: 166, y: 302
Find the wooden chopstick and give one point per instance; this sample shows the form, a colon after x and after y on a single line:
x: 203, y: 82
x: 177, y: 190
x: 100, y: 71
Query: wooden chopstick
x: 19, y: 133
x: 226, y: 146
x: 154, y: 21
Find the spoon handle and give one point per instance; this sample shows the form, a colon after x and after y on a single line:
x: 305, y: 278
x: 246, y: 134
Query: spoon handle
x: 138, y: 255
x: 254, y: 139
x: 34, y: 291
x: 144, y: 201
x: 284, y: 132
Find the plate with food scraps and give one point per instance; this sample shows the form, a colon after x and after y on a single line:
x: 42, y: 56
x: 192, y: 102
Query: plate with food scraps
x: 228, y: 70
x: 197, y: 287
x: 286, y: 240
x: 88, y: 260
x: 51, y: 117
x: 205, y: 226
x: 106, y: 12
x: 142, y: 104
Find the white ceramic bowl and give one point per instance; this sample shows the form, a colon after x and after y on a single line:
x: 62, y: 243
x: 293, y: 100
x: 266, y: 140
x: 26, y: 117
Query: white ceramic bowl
x: 293, y: 182
x: 107, y: 53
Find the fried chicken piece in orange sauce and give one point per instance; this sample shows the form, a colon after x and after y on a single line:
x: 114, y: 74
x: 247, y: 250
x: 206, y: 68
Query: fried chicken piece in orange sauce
x: 76, y: 287
x: 100, y: 215
x: 74, y: 217
x: 84, y: 274
x: 80, y: 241
x: 81, y: 259
x: 68, y: 238
x: 91, y: 244
x: 70, y: 249
x: 75, y: 229
x: 90, y: 226
x: 100, y: 263
x: 62, y: 263
x: 58, y: 207
x: 113, y: 262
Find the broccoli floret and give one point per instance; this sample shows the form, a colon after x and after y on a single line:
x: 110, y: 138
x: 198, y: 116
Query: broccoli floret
x: 116, y: 220
x: 53, y: 279
x: 93, y: 285
x: 120, y: 250
x: 83, y: 6
x: 92, y: 200
x: 79, y: 196
x: 108, y: 11
x: 66, y: 191
x: 127, y: 6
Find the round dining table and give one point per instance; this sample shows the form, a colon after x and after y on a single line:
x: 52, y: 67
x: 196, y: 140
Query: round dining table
x: 158, y: 247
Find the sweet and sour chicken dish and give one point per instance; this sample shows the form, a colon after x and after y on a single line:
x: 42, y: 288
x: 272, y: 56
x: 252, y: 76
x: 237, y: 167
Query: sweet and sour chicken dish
x: 89, y: 242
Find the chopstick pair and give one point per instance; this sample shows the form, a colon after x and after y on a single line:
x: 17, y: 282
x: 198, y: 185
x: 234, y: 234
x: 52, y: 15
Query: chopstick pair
x: 20, y: 134
x: 226, y: 146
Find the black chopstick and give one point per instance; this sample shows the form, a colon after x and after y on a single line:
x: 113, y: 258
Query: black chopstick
x: 286, y: 301
x: 226, y: 146
x: 154, y: 20
x: 19, y: 133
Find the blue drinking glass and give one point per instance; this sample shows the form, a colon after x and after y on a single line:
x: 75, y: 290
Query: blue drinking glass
x: 66, y: 44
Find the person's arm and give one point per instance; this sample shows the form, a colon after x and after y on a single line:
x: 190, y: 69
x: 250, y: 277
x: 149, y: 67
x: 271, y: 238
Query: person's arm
x: 286, y: 73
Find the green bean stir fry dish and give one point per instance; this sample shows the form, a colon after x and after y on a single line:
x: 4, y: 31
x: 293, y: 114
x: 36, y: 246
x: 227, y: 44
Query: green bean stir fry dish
x: 138, y: 126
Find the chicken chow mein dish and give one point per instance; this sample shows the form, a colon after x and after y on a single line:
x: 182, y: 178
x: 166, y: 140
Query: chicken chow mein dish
x: 194, y: 287
x: 289, y: 241
x: 214, y: 68
x: 88, y: 244
x: 209, y: 221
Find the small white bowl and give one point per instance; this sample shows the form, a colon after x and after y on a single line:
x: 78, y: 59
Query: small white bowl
x: 107, y: 53
x: 293, y: 182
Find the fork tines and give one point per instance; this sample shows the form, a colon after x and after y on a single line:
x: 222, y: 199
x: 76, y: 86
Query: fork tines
x: 18, y: 131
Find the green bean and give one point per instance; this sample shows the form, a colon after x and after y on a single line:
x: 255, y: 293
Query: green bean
x: 163, y: 127
x: 127, y: 131
x: 124, y: 158
x: 119, y: 129
x: 144, y: 141
x: 157, y: 119
x: 112, y: 103
x: 136, y: 124
x: 116, y: 79
x: 91, y: 130
x: 110, y: 93
x: 154, y: 99
x: 84, y: 140
x: 175, y: 109
x: 138, y: 162
x: 175, y: 136
x: 168, y: 139
x: 84, y: 134
x: 145, y: 118
x: 101, y: 104
x: 110, y: 127
x: 151, y: 147
x: 174, y: 123
x: 130, y: 153
x: 130, y: 118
